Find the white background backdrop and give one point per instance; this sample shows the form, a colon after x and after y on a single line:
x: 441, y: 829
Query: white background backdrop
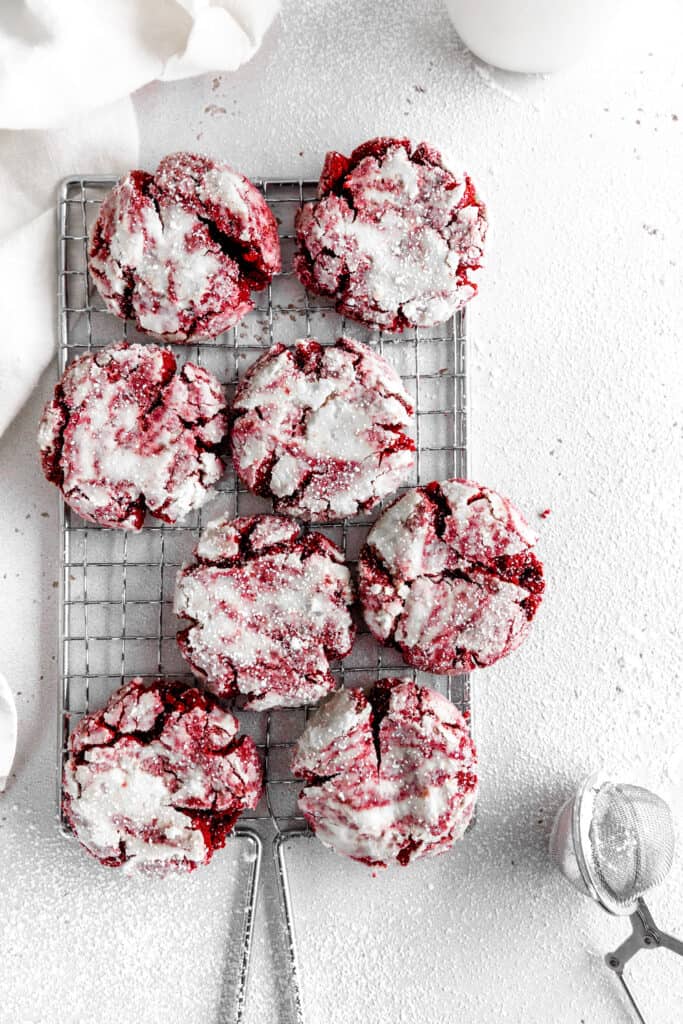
x: 577, y: 383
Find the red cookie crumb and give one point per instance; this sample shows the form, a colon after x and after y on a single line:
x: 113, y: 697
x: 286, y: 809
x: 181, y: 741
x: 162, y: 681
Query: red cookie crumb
x: 393, y: 237
x: 322, y: 429
x: 156, y: 779
x: 447, y: 576
x: 391, y: 776
x: 269, y: 607
x: 179, y: 250
x: 128, y: 433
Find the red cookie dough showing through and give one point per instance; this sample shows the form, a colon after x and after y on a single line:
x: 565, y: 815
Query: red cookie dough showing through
x: 180, y: 250
x: 447, y: 575
x: 269, y: 608
x: 394, y: 236
x: 322, y: 429
x: 156, y: 780
x: 390, y: 775
x: 127, y: 432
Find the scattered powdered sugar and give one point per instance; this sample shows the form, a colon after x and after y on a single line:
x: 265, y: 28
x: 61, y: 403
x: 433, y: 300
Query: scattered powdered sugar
x: 126, y: 433
x: 269, y: 608
x: 322, y: 429
x: 391, y: 776
x: 119, y: 947
x: 447, y: 575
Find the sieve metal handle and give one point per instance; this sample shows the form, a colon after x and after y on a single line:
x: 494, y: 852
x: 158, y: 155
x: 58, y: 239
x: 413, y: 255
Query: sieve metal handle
x: 632, y: 1000
x: 645, y: 935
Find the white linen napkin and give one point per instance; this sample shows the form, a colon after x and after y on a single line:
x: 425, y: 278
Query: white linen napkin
x: 31, y: 166
x: 63, y: 64
x: 8, y: 732
x: 59, y: 58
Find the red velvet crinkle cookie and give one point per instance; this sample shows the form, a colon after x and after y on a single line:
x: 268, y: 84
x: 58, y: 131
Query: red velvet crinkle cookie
x: 269, y: 607
x: 393, y: 237
x: 127, y: 432
x: 156, y: 780
x: 447, y: 575
x: 322, y: 429
x: 390, y: 776
x: 178, y: 251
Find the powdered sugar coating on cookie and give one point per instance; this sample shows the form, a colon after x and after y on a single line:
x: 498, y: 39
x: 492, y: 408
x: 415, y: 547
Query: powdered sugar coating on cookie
x: 391, y: 775
x: 269, y: 607
x: 394, y: 237
x: 322, y: 429
x: 179, y: 250
x: 156, y: 779
x: 447, y: 575
x: 128, y: 433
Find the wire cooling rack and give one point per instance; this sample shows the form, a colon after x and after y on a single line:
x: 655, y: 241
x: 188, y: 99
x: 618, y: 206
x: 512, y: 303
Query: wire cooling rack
x: 117, y: 588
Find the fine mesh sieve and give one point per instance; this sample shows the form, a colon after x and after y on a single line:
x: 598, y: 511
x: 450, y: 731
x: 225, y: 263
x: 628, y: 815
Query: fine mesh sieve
x: 631, y: 843
x: 615, y: 842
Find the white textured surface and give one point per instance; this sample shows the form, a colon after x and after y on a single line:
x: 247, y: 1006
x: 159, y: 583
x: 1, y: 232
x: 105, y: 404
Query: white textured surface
x: 576, y: 386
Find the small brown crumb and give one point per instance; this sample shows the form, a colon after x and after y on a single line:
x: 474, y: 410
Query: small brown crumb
x: 545, y: 513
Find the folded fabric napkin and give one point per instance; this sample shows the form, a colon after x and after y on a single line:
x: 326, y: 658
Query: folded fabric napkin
x: 31, y: 166
x: 59, y: 58
x: 64, y: 68
x: 8, y: 732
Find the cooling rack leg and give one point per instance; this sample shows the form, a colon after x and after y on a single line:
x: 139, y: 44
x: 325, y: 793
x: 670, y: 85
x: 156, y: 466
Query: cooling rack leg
x: 279, y: 846
x: 255, y: 846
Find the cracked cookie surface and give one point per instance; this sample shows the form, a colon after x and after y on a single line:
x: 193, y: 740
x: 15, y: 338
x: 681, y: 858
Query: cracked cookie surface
x: 156, y: 779
x: 269, y: 607
x: 391, y: 775
x: 180, y: 250
x: 322, y: 429
x: 394, y: 237
x: 127, y: 432
x: 447, y: 576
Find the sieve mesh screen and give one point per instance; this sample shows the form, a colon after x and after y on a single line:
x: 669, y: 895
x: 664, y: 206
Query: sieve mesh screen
x: 631, y: 841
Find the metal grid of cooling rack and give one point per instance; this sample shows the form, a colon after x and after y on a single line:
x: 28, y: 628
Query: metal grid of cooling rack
x: 117, y: 616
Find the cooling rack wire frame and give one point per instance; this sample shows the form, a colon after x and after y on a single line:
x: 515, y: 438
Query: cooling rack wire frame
x: 116, y: 589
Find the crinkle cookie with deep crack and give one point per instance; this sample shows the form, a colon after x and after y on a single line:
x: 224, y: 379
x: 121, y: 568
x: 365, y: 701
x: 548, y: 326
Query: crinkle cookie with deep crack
x: 447, y: 575
x: 180, y: 250
x: 391, y: 775
x: 156, y: 779
x: 394, y: 236
x: 322, y: 429
x: 128, y: 432
x: 269, y: 607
